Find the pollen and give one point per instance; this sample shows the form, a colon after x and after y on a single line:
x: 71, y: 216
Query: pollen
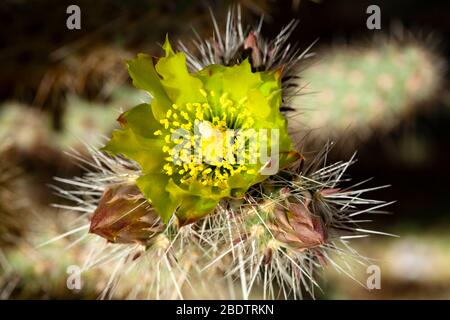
x: 203, y: 150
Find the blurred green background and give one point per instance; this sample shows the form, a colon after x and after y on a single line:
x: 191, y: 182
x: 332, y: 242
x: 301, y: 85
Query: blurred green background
x: 59, y: 87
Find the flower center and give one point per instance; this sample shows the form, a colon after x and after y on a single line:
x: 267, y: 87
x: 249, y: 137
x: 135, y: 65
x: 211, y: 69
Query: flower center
x: 207, y: 142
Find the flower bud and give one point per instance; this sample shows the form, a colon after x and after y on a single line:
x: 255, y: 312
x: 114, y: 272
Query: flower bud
x: 293, y: 224
x: 124, y: 216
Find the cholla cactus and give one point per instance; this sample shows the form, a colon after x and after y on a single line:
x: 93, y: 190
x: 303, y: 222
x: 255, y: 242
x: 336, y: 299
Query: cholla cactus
x: 367, y: 88
x: 12, y: 217
x: 85, y: 121
x: 271, y: 224
x: 23, y: 129
x: 30, y: 270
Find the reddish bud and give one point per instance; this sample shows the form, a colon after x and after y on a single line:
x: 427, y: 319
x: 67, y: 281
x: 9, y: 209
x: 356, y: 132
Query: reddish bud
x: 251, y: 42
x: 295, y: 225
x: 124, y: 216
